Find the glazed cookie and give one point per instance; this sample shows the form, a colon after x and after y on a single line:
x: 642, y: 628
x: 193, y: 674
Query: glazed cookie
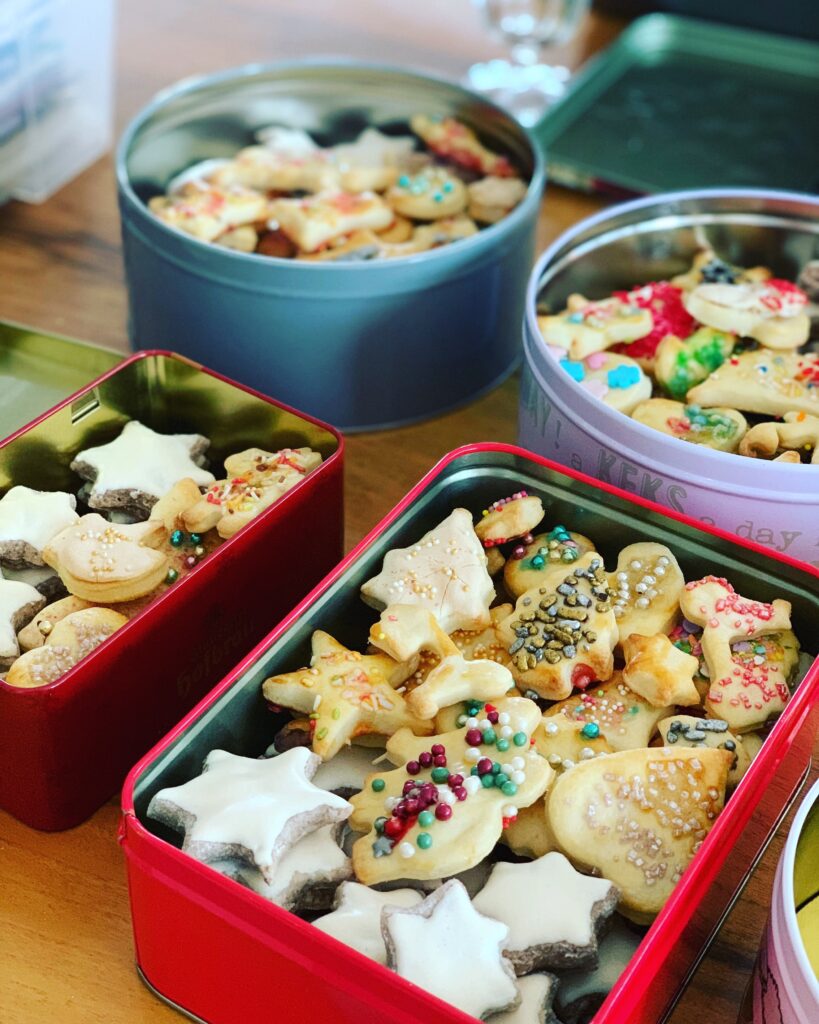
x: 616, y: 380
x: 532, y: 565
x: 565, y: 936
x: 405, y: 630
x: 492, y: 198
x: 720, y: 428
x: 764, y: 382
x: 314, y: 221
x: 627, y: 816
x: 307, y: 876
x: 659, y: 671
x: 435, y: 816
x: 428, y: 195
x: 426, y: 945
x: 581, y: 993
x: 208, y: 211
x: 356, y: 917
x: 565, y: 742
x: 72, y: 639
x: 133, y: 471
x: 585, y: 326
x: 509, y: 518
x: 445, y: 571
x: 104, y: 563
x: 278, y: 170
x: 647, y: 584
x: 562, y: 636
x: 19, y: 602
x: 347, y: 772
x: 707, y: 268
x: 454, y: 141
x: 799, y: 433
x: 247, y: 808
x: 682, y: 363
x: 687, y: 731
x: 623, y: 717
x: 346, y: 694
x: 744, y: 696
x: 668, y: 316
x: 537, y: 994
x: 771, y: 312
x: 28, y: 521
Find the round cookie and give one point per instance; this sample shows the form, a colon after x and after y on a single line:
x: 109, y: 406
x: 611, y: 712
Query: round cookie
x: 718, y: 428
x: 614, y: 379
x: 430, y: 195
x: 530, y: 565
x: 492, y: 198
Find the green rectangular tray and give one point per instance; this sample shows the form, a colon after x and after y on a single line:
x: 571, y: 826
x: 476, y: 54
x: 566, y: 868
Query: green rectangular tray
x: 39, y: 370
x: 677, y: 103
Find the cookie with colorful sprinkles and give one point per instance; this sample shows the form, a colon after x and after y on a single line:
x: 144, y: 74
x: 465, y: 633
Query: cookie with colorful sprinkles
x: 509, y: 518
x: 565, y: 742
x: 615, y: 380
x: 687, y: 731
x: 765, y: 382
x: 531, y: 565
x: 588, y: 326
x: 647, y: 584
x: 682, y: 363
x: 718, y: 427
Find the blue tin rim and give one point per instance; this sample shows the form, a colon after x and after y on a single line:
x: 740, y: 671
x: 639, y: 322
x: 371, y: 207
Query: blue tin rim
x: 483, y: 239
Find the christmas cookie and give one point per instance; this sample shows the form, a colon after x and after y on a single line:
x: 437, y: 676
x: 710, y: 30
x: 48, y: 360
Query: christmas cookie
x: 249, y: 809
x: 638, y: 817
x: 565, y: 935
x: 668, y: 316
x: 708, y: 268
x: 273, y: 170
x: 428, y: 195
x: 28, y: 521
x: 373, y: 161
x: 451, y: 951
x: 798, y: 433
x: 492, y: 198
x: 528, y: 834
x: 208, y: 211
x: 532, y: 565
x: 314, y: 221
x: 720, y: 428
x: 764, y: 382
x: 687, y: 731
x: 659, y: 671
x: 485, y: 643
x: 19, y: 602
x: 104, y: 563
x: 537, y: 993
x: 346, y: 694
x: 743, y: 695
x: 72, y: 638
x: 509, y: 518
x: 356, y: 917
x: 133, y: 471
x: 347, y: 772
x: 34, y: 634
x: 405, y: 630
x: 581, y: 993
x: 443, y: 810
x: 682, y: 363
x: 771, y: 312
x: 646, y: 588
x: 563, y: 637
x: 455, y: 141
x: 565, y: 742
x: 614, y: 379
x: 445, y: 572
x: 585, y: 326
x: 623, y: 717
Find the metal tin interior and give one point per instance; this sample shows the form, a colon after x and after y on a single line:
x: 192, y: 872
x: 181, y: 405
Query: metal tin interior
x: 680, y: 103
x: 39, y: 370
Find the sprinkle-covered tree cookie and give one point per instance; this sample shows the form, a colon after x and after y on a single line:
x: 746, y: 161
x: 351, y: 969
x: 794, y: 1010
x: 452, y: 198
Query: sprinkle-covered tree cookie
x: 534, y: 565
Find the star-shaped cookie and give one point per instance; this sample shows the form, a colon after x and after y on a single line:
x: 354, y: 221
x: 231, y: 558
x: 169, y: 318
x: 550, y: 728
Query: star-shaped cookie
x: 445, y: 571
x: 135, y: 469
x: 347, y: 694
x: 356, y: 918
x: 19, y: 602
x: 659, y: 671
x: 447, y: 948
x: 553, y: 912
x: 28, y: 521
x: 248, y: 808
x: 537, y: 995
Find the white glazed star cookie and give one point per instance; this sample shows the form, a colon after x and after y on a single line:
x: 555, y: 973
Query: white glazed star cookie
x: 134, y: 470
x: 553, y: 912
x: 248, y: 808
x: 447, y: 948
x: 356, y: 917
x: 19, y: 602
x: 28, y: 521
x: 445, y: 571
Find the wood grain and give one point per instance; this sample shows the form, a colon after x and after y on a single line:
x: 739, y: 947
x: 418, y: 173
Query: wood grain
x: 65, y: 941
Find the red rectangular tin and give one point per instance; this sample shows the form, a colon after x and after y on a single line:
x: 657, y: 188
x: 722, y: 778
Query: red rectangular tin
x: 65, y: 747
x: 225, y: 955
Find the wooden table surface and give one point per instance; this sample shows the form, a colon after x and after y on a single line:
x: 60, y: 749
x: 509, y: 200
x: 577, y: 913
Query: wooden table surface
x: 65, y: 943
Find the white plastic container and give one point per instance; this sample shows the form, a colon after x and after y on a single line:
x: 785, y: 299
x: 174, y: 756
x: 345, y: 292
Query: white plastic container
x: 55, y: 92
x: 774, y: 504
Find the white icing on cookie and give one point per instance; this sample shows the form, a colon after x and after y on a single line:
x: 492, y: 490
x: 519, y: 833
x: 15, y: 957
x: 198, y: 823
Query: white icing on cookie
x: 536, y: 995
x: 14, y: 597
x: 249, y: 802
x: 544, y: 901
x: 34, y: 517
x: 356, y: 919
x: 446, y: 947
x: 142, y: 460
x: 614, y: 953
x: 348, y: 769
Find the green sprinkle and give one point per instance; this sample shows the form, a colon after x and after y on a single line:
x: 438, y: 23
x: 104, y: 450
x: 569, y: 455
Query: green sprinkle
x: 509, y: 788
x: 321, y: 733
x: 474, y: 770
x: 501, y: 779
x: 424, y: 840
x: 336, y: 713
x: 172, y: 576
x: 591, y: 730
x: 489, y: 737
x: 440, y: 774
x: 379, y: 785
x: 495, y: 767
x: 520, y: 739
x: 503, y: 745
x: 379, y: 824
x: 488, y: 780
x: 426, y: 818
x: 633, y: 709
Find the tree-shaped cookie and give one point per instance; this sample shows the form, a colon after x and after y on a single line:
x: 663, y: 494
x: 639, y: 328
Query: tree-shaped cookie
x: 443, y: 810
x: 744, y: 696
x: 532, y: 565
x: 405, y: 630
x: 445, y: 572
x: 646, y: 588
x: 346, y: 694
